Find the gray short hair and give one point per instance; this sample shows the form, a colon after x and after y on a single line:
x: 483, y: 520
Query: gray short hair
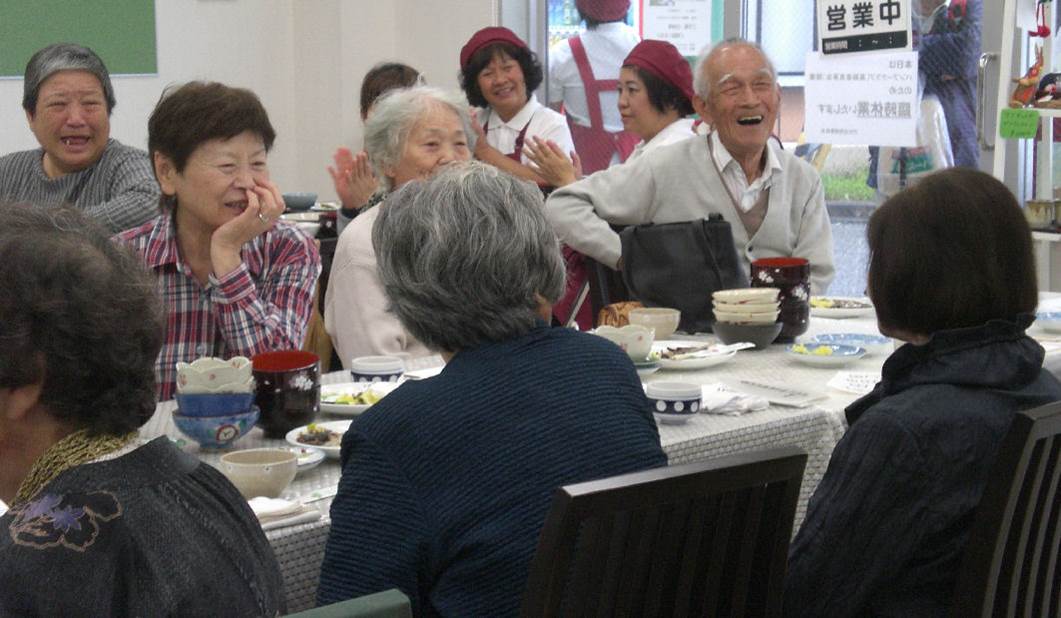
x: 63, y: 57
x: 700, y: 83
x: 392, y: 120
x: 465, y: 255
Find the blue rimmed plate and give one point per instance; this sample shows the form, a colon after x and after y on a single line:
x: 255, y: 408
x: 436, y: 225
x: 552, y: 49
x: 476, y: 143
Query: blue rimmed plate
x: 825, y: 354
x: 874, y: 345
x: 1049, y: 321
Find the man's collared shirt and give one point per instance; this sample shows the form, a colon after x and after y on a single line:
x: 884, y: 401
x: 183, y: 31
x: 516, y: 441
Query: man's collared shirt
x: 734, y: 177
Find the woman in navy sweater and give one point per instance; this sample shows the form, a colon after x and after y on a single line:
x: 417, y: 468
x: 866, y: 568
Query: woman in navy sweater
x: 447, y: 481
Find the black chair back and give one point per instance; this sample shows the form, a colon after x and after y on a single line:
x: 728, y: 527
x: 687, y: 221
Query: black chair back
x: 1012, y: 564
x: 705, y: 539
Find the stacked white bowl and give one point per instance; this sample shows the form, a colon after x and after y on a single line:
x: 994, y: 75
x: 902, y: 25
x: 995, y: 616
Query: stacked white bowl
x: 746, y: 305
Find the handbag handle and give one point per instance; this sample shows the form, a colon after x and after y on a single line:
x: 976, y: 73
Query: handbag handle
x: 706, y: 248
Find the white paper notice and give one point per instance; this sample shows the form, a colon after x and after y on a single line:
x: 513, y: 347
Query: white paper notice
x: 684, y: 23
x: 862, y: 99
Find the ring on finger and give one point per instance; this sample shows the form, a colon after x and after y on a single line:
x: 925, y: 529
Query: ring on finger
x: 263, y: 218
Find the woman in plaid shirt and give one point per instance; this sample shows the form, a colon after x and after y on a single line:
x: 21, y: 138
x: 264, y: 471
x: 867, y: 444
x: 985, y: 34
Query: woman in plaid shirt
x: 234, y: 280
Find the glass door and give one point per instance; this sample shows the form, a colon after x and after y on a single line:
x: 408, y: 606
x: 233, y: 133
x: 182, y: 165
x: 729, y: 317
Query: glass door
x: 958, y: 43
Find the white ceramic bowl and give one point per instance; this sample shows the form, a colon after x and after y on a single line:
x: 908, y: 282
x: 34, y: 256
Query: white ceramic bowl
x: 662, y: 320
x: 746, y: 318
x: 260, y: 471
x: 747, y: 295
x: 215, y: 375
x: 635, y: 340
x: 746, y: 307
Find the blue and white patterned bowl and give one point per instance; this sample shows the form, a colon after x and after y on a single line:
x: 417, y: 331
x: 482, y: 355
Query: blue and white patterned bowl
x: 874, y: 345
x: 214, y: 432
x: 377, y: 369
x: 1049, y: 321
x: 674, y: 402
x: 214, y: 404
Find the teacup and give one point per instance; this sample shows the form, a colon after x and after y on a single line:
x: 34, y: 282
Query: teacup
x: 792, y: 276
x: 260, y: 471
x: 635, y: 340
x: 288, y: 390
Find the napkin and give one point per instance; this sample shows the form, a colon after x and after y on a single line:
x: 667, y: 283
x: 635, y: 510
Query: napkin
x: 717, y: 399
x: 276, y: 513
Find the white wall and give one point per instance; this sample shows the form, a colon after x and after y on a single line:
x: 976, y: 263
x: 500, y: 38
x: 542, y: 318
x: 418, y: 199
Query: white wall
x: 304, y: 58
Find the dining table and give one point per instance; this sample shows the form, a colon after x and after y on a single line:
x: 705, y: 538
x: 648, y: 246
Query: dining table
x: 814, y: 428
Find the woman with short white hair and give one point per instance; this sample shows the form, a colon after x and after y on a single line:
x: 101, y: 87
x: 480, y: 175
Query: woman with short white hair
x: 411, y: 133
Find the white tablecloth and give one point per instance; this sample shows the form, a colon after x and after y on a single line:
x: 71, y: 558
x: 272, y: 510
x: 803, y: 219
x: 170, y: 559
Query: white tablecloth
x: 300, y: 549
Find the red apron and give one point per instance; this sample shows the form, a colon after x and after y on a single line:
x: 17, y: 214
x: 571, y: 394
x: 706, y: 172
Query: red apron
x: 594, y: 144
x: 577, y: 273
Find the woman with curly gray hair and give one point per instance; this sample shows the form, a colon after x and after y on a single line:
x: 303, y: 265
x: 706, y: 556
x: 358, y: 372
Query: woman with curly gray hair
x: 446, y: 482
x: 411, y: 133
x: 102, y: 523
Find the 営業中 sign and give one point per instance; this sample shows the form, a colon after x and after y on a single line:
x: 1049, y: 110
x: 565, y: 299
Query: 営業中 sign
x: 846, y: 26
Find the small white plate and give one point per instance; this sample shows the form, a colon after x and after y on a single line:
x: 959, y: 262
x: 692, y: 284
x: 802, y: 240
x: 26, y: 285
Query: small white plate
x: 646, y: 368
x: 838, y: 356
x: 331, y: 452
x: 841, y: 312
x: 701, y: 361
x: 308, y: 457
x: 352, y: 388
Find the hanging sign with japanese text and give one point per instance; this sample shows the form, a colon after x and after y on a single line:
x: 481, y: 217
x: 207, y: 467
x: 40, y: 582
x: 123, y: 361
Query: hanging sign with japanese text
x: 867, y: 99
x: 846, y: 26
x: 684, y: 23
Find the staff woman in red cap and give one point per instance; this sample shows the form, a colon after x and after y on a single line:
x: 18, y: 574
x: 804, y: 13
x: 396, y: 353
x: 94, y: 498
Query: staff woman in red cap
x: 498, y: 74
x: 583, y: 74
x: 655, y: 95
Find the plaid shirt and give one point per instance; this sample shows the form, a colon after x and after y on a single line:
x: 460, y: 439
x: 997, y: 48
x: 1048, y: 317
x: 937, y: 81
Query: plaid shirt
x: 263, y: 305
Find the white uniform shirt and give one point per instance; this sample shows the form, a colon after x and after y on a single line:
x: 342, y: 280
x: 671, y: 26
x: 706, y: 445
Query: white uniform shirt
x: 544, y: 123
x: 680, y: 129
x: 735, y: 179
x: 606, y: 46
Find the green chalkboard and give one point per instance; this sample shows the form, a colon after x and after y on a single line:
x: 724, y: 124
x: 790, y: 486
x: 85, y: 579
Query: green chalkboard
x: 122, y: 32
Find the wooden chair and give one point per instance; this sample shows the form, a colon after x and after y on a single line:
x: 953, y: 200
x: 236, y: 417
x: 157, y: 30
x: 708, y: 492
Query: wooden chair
x: 705, y: 539
x: 386, y: 604
x: 1012, y: 564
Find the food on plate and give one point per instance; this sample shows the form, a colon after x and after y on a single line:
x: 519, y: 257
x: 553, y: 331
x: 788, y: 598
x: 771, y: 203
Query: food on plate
x: 822, y: 302
x: 821, y: 350
x: 617, y: 314
x: 680, y: 352
x: 366, y: 397
x: 315, y: 435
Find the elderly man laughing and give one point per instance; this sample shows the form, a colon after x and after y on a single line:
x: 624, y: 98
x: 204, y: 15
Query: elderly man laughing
x: 773, y: 201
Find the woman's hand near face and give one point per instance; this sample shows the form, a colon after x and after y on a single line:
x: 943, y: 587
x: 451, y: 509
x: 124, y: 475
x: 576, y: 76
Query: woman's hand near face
x: 550, y: 162
x: 265, y: 204
x: 353, y: 178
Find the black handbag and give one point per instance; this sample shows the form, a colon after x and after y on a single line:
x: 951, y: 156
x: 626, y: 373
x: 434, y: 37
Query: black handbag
x: 680, y: 265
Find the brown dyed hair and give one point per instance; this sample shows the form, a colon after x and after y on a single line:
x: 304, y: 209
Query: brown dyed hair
x: 198, y: 112
x: 383, y: 77
x: 952, y: 251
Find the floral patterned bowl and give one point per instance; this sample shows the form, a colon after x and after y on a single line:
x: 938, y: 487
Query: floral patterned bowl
x: 216, y: 432
x: 215, y: 375
x: 635, y: 340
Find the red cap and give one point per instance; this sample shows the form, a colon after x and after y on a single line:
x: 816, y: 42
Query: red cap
x: 486, y: 36
x: 663, y: 60
x: 603, y: 10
